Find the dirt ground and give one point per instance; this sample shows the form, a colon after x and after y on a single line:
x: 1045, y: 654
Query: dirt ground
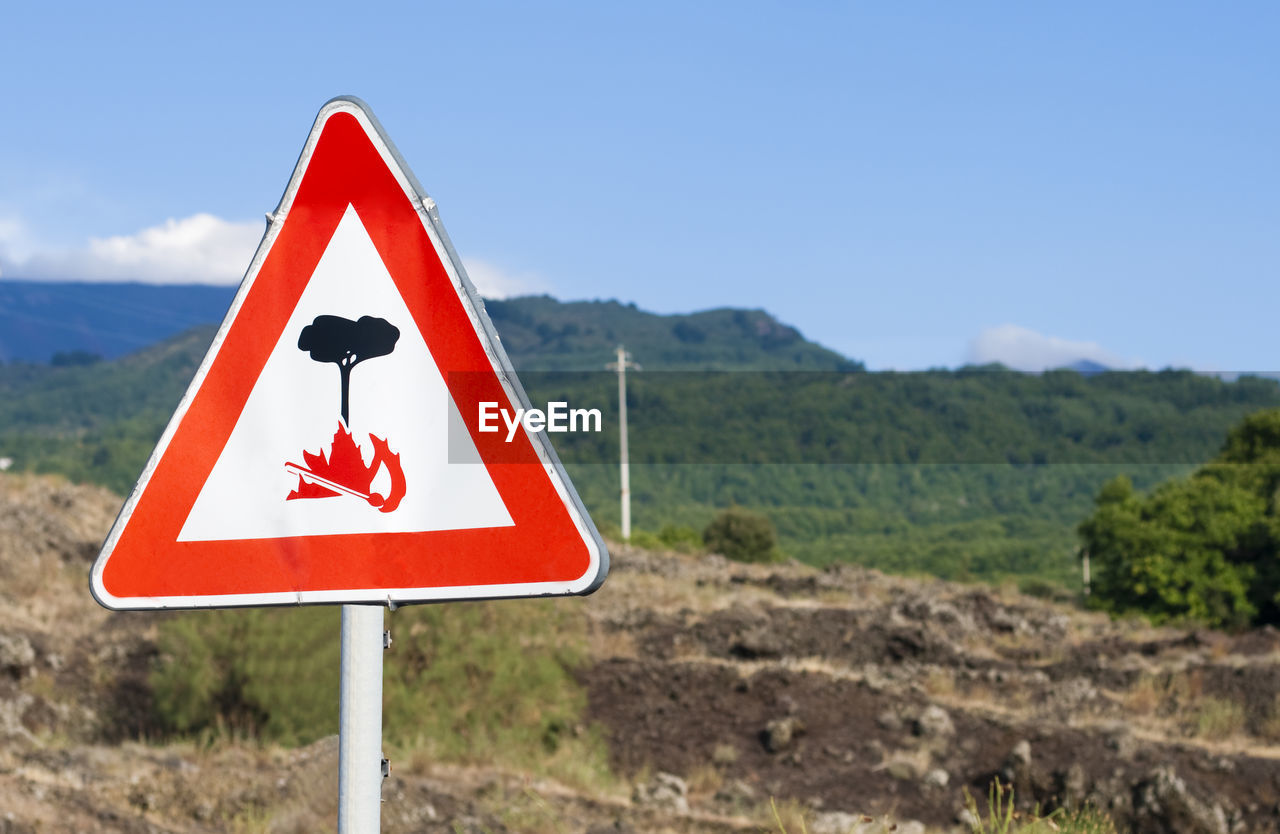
x: 856, y: 692
x: 852, y: 700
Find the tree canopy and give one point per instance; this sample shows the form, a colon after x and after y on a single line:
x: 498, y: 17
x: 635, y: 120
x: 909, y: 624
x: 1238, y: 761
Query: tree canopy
x: 742, y: 535
x: 347, y: 343
x: 1205, y: 547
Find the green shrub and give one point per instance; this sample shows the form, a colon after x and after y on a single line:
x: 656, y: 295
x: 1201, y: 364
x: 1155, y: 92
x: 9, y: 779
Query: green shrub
x: 645, y: 539
x: 485, y: 681
x: 1034, y: 586
x: 609, y: 530
x: 671, y: 537
x: 1204, y: 548
x: 263, y: 673
x: 1086, y: 820
x: 679, y: 537
x: 742, y: 535
x: 1003, y: 818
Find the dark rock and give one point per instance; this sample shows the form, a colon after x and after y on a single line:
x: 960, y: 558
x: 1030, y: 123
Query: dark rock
x: 934, y: 723
x: 664, y: 790
x: 889, y: 720
x: 1161, y: 802
x: 736, y: 792
x: 1072, y: 785
x: 779, y: 733
x: 17, y: 655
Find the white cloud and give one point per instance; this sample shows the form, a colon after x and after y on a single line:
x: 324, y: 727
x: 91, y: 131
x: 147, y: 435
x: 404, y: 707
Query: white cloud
x: 14, y: 240
x: 495, y: 282
x: 201, y: 249
x: 1026, y: 350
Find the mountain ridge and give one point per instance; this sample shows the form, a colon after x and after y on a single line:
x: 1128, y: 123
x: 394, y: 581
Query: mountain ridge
x: 74, y: 322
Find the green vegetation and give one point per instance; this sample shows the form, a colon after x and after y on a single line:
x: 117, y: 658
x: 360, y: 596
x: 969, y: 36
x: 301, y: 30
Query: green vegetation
x: 679, y: 538
x: 473, y: 682
x: 971, y: 474
x: 1219, y: 718
x: 95, y: 423
x: 979, y: 473
x: 1001, y: 817
x: 742, y: 535
x: 542, y: 333
x: 1205, y: 547
x: 257, y: 673
x: 958, y: 522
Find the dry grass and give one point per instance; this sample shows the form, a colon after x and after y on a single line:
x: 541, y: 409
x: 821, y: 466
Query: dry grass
x: 631, y: 591
x: 703, y: 782
x: 787, y: 817
x: 605, y: 643
x: 1218, y: 719
x: 1270, y: 730
x: 723, y: 755
x: 1174, y: 704
x: 1144, y: 698
x: 529, y: 812
x: 939, y: 682
x: 908, y: 765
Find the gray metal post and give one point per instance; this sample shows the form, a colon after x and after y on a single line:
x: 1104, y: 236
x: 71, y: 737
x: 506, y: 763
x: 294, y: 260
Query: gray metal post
x: 622, y: 434
x: 624, y: 362
x: 360, y: 721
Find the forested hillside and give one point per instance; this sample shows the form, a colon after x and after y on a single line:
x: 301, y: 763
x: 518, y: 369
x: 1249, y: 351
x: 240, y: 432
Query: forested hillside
x: 974, y: 473
x: 68, y: 322
x: 542, y: 333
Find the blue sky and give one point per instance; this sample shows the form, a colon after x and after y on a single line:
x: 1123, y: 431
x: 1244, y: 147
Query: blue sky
x: 913, y: 185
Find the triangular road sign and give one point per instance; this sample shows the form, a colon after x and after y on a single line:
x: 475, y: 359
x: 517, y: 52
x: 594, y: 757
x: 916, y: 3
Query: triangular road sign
x: 328, y: 449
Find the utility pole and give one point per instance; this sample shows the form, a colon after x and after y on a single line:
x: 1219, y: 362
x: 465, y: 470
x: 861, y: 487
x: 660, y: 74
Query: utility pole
x: 623, y: 362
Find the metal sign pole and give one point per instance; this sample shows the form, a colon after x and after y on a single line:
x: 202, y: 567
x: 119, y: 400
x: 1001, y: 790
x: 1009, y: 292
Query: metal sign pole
x: 360, y: 721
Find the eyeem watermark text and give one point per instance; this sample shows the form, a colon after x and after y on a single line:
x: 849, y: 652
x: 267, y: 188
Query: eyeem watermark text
x: 557, y: 418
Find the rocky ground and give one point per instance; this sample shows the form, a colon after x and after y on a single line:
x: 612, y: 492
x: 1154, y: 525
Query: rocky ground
x: 853, y: 700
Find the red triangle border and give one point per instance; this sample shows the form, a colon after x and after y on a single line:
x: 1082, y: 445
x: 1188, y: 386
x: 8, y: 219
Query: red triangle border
x: 552, y: 547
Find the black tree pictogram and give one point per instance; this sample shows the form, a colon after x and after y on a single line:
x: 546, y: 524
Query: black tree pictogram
x: 347, y: 343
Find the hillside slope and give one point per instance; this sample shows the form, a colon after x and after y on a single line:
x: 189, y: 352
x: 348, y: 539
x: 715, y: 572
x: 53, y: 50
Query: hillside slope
x: 41, y: 319
x: 75, y: 321
x: 973, y: 473
x: 715, y: 686
x: 541, y: 333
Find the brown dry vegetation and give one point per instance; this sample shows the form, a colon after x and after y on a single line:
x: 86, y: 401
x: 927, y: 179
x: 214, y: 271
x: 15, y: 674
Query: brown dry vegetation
x: 838, y: 693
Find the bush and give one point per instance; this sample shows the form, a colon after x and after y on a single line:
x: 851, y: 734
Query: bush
x: 261, y: 673
x: 742, y: 535
x: 1204, y: 548
x: 1003, y: 818
x: 670, y: 537
x: 681, y: 538
x: 488, y: 681
x: 644, y: 540
x: 1034, y: 586
x: 483, y: 681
